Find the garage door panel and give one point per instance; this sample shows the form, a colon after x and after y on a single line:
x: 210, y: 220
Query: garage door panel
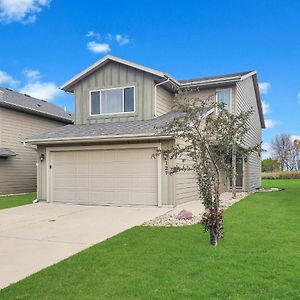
x: 109, y: 197
x: 66, y: 169
x: 61, y: 182
x: 102, y: 156
x: 70, y: 196
x: 105, y: 168
x: 148, y: 198
x: 101, y: 182
x: 144, y: 184
x: 118, y: 176
x: 123, y: 183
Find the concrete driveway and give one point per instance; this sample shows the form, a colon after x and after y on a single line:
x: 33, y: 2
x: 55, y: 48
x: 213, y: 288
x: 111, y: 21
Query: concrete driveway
x: 35, y: 236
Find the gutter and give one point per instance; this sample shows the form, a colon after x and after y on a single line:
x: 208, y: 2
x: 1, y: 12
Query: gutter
x: 90, y: 139
x: 210, y: 82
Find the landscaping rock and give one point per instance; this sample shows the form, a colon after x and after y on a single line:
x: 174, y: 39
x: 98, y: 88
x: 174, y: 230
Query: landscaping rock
x: 185, y: 215
x: 171, y: 220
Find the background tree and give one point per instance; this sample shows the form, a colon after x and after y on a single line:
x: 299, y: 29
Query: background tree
x: 207, y: 140
x: 270, y: 165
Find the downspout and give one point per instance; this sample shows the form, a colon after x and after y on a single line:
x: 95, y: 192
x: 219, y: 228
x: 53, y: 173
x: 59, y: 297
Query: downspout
x: 29, y: 146
x: 155, y: 93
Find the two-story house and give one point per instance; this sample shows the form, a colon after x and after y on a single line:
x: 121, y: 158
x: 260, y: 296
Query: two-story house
x: 20, y: 117
x: 106, y: 156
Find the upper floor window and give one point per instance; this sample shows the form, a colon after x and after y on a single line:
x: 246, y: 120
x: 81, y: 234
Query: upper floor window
x: 112, y: 101
x: 224, y: 96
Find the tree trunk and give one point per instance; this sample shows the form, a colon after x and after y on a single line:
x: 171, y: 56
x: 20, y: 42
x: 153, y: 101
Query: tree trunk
x: 213, y: 238
x: 234, y: 171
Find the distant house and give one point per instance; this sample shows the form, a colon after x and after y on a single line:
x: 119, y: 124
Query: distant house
x: 21, y: 116
x: 105, y: 157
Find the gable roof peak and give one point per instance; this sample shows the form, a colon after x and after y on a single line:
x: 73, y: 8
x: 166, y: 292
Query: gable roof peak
x: 68, y: 85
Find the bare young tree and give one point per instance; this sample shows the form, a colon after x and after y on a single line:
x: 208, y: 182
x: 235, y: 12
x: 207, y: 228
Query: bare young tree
x: 286, y: 152
x: 297, y: 155
x: 208, y: 133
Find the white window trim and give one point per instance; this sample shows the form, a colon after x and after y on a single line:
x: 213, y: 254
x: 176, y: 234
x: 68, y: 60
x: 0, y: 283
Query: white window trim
x: 230, y: 95
x: 109, y: 89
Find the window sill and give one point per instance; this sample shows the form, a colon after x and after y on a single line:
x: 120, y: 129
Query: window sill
x: 112, y: 116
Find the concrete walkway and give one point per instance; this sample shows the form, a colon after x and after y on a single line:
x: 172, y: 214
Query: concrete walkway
x: 36, y: 236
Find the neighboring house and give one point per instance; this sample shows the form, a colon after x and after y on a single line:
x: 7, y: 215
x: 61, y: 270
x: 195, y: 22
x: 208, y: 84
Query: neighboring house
x: 105, y: 158
x: 20, y: 117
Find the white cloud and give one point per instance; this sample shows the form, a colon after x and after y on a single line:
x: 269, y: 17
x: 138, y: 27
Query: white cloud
x: 98, y: 47
x: 32, y: 75
x: 270, y: 123
x: 264, y: 87
x: 121, y: 39
x: 295, y: 137
x: 93, y: 34
x: 41, y: 90
x: 5, y: 78
x: 24, y: 11
x: 267, y: 153
x: 101, y: 43
x: 265, y: 107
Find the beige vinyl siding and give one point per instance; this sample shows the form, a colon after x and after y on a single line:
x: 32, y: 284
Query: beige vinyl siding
x: 163, y: 101
x: 246, y: 100
x: 110, y: 76
x: 18, y: 174
x: 186, y: 182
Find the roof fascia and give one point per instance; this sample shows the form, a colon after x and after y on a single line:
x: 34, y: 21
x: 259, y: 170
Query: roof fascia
x: 259, y: 102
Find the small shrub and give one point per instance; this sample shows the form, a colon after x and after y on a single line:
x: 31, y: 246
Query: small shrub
x: 281, y: 175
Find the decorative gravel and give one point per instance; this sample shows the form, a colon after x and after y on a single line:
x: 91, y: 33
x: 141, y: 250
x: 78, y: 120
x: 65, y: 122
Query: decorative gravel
x: 262, y: 190
x: 171, y: 219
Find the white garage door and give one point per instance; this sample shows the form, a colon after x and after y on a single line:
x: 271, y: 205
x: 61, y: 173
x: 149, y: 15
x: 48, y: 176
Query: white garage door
x: 120, y: 177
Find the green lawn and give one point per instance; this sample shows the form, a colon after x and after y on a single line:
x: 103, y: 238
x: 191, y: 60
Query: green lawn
x: 259, y: 258
x: 16, y: 200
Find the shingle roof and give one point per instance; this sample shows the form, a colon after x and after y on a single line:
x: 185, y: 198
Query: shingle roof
x: 5, y: 152
x: 138, y: 128
x: 18, y: 101
x: 209, y: 78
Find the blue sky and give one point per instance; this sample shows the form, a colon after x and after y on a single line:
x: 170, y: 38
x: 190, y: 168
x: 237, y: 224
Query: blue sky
x: 44, y: 43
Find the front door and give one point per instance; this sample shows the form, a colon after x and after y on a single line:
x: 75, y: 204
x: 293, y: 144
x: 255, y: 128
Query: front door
x: 239, y: 174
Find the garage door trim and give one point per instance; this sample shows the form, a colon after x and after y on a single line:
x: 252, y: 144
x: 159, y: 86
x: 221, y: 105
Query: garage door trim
x: 49, y: 150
